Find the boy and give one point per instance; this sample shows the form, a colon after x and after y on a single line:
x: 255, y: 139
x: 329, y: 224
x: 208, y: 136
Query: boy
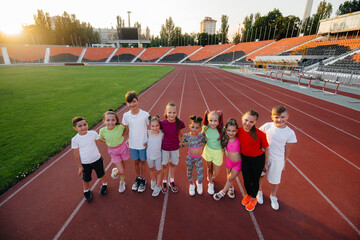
x: 87, y: 156
x: 281, y: 140
x: 136, y: 122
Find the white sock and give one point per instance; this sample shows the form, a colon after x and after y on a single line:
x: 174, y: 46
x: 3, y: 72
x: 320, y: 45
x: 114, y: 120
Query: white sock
x: 86, y: 190
x: 171, y: 179
x: 164, y: 181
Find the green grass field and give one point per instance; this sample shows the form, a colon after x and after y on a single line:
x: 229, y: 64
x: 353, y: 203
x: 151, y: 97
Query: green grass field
x: 37, y: 104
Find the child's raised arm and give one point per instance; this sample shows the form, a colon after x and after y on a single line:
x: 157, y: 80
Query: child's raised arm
x: 78, y: 161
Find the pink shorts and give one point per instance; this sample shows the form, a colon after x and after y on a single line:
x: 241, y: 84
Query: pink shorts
x: 231, y: 164
x: 119, y: 153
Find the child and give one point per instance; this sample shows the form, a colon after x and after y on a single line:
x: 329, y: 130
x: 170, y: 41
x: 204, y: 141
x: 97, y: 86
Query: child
x: 136, y: 122
x: 253, y: 158
x: 231, y: 145
x: 153, y: 153
x: 112, y: 134
x: 281, y: 140
x: 213, y: 153
x: 87, y: 156
x: 195, y: 140
x: 171, y: 126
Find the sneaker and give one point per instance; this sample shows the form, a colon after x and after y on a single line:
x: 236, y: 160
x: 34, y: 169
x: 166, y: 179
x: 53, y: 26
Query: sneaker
x: 219, y: 195
x: 274, y: 202
x: 199, y: 188
x: 136, y: 184
x: 192, y: 189
x: 251, y: 205
x: 211, y: 188
x: 173, y: 187
x: 122, y: 186
x: 153, y: 184
x: 156, y: 191
x: 88, y: 195
x: 231, y: 192
x: 245, y: 200
x: 142, y: 185
x: 259, y: 197
x: 164, y: 188
x: 114, y: 172
x: 103, y: 189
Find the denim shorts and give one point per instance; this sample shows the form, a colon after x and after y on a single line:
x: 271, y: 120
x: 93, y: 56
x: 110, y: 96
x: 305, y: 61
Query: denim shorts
x: 137, y: 154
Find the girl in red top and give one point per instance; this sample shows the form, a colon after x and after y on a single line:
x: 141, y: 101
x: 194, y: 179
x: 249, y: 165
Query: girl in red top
x: 253, y: 143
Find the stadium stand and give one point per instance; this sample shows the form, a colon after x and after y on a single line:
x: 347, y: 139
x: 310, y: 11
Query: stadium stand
x: 179, y: 53
x: 64, y: 54
x: 207, y: 52
x: 95, y: 54
x: 1, y: 57
x: 350, y: 64
x: 26, y: 54
x: 126, y: 54
x: 241, y: 49
x: 152, y: 54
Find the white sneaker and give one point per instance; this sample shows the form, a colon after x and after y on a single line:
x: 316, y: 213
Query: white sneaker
x: 211, y: 188
x: 199, y: 188
x: 122, y: 186
x: 274, y: 202
x: 114, y: 172
x: 153, y: 184
x: 192, y: 189
x: 157, y: 190
x: 259, y: 197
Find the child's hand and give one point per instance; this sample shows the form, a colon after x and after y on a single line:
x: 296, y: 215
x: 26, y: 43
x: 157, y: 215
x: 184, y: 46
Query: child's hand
x: 266, y: 168
x: 145, y: 145
x: 181, y: 145
x: 81, y: 170
x: 263, y: 149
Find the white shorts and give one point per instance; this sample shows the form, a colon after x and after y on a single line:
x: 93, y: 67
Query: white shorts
x: 154, y: 162
x: 275, y: 170
x: 173, y: 156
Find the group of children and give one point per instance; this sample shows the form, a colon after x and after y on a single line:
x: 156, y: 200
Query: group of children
x: 252, y: 151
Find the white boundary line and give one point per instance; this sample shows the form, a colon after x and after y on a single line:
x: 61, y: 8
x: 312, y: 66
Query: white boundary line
x: 252, y: 215
x: 311, y: 183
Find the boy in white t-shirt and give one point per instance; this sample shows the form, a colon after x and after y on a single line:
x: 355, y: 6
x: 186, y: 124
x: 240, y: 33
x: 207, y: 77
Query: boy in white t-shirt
x: 281, y: 140
x: 87, y: 156
x: 136, y: 122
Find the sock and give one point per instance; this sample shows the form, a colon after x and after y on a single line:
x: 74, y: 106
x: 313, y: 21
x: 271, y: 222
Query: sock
x: 105, y: 184
x: 164, y: 181
x: 171, y: 179
x: 86, y: 190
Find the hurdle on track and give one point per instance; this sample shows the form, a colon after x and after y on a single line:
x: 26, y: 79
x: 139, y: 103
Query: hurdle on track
x: 331, y: 81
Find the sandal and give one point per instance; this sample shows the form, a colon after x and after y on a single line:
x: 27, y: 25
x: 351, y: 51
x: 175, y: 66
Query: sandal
x: 219, y: 195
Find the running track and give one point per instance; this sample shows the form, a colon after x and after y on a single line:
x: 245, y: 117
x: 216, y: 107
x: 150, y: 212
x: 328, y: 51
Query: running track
x: 319, y: 194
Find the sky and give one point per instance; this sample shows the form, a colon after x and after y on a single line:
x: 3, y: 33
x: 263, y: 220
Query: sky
x: 186, y: 14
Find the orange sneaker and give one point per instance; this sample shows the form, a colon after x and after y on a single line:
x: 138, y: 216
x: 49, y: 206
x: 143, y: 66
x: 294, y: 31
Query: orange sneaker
x: 245, y: 200
x: 251, y: 205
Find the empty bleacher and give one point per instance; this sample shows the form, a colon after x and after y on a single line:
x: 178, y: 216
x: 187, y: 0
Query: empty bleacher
x: 152, y: 54
x: 95, y: 54
x: 179, y: 53
x: 350, y: 65
x: 26, y: 54
x: 207, y: 52
x: 65, y: 54
x: 126, y: 54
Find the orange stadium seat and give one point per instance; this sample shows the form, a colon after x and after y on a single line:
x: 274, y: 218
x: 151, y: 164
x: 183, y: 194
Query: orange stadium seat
x: 152, y: 54
x: 65, y: 54
x: 95, y: 54
x: 126, y: 54
x: 207, y: 52
x: 179, y: 53
x: 26, y: 54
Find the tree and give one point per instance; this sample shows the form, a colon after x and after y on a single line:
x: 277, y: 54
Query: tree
x: 120, y: 22
x: 348, y: 7
x: 324, y: 10
x: 236, y: 38
x: 167, y: 30
x: 224, y: 29
x: 42, y: 30
x: 147, y: 33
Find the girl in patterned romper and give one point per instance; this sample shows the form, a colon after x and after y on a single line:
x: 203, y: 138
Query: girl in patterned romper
x: 195, y: 140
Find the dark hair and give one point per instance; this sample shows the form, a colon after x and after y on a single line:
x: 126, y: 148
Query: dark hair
x: 155, y: 118
x: 225, y: 138
x: 278, y: 110
x: 252, y: 131
x: 129, y: 96
x: 194, y: 119
x: 75, y: 120
x: 112, y: 112
x: 220, y: 118
x: 177, y: 120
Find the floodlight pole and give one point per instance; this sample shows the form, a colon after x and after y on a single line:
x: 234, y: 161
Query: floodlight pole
x: 129, y: 17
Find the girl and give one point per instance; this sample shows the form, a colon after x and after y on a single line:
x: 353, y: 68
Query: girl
x: 213, y: 153
x: 195, y: 140
x: 171, y: 126
x: 113, y: 135
x: 254, y: 159
x: 153, y: 153
x: 231, y: 145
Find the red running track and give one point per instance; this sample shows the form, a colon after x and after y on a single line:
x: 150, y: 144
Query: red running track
x: 318, y: 195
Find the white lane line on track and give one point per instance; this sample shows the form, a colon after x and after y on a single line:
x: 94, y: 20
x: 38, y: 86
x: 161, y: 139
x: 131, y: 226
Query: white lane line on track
x: 207, y: 107
x: 311, y: 183
x: 82, y: 201
x: 287, y: 95
x: 300, y: 130
x: 166, y: 198
x: 252, y: 215
x: 307, y: 114
x: 37, y: 175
